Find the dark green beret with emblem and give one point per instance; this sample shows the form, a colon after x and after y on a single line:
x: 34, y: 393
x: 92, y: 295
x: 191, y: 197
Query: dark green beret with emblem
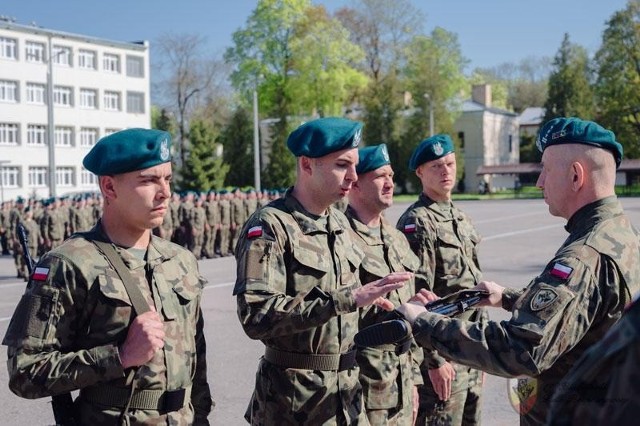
x: 565, y: 130
x: 430, y: 149
x: 128, y: 150
x: 372, y: 157
x: 323, y: 136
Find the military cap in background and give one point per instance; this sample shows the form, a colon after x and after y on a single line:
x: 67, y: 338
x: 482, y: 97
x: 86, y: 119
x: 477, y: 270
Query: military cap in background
x: 432, y: 148
x: 323, y: 136
x: 128, y: 150
x: 566, y: 130
x: 372, y: 157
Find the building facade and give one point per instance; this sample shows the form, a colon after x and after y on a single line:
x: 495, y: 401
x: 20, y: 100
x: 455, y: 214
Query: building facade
x: 66, y: 88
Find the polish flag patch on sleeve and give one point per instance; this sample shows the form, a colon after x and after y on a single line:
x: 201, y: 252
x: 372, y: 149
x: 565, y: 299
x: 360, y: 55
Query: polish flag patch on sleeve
x: 409, y: 228
x: 40, y: 274
x: 561, y: 271
x: 254, y: 231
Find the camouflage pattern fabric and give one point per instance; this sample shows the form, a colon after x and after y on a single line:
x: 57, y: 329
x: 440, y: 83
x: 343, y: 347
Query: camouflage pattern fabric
x: 570, y: 306
x: 296, y: 273
x: 603, y: 387
x: 387, y: 378
x: 225, y: 226
x: 446, y: 242
x: 238, y: 218
x: 65, y: 332
x: 213, y: 219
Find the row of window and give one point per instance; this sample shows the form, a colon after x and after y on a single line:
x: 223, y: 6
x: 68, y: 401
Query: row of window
x: 38, y: 177
x: 64, y: 56
x: 36, y: 93
x: 37, y: 135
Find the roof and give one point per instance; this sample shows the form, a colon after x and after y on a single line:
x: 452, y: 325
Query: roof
x: 532, y: 116
x: 471, y: 106
x: 632, y: 165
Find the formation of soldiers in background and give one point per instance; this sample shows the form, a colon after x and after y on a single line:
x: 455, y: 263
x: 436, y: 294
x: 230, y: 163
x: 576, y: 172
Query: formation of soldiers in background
x: 208, y: 224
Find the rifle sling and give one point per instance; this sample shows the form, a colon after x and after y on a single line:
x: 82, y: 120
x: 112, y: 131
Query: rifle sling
x: 139, y: 303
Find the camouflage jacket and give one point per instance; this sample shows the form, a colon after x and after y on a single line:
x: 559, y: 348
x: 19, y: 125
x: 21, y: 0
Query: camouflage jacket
x: 387, y: 378
x: 296, y: 273
x: 66, y: 330
x: 603, y: 387
x: 578, y: 296
x: 225, y: 212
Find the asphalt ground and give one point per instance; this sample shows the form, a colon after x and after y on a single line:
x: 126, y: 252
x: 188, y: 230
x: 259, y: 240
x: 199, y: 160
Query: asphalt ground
x: 519, y: 238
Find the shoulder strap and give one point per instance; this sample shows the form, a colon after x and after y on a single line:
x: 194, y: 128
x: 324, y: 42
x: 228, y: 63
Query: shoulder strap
x: 138, y: 301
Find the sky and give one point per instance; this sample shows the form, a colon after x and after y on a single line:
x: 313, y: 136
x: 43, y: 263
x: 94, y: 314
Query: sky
x: 490, y: 32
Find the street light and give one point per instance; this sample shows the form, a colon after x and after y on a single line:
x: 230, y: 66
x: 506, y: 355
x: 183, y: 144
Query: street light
x: 428, y: 98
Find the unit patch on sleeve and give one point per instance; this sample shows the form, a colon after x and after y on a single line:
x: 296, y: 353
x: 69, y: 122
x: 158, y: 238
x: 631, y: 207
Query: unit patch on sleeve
x: 561, y: 271
x: 543, y: 298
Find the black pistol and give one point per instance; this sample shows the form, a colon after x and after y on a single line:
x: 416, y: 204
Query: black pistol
x: 395, y: 328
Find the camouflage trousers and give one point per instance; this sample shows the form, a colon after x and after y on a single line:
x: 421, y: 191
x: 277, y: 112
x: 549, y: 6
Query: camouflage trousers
x: 464, y: 407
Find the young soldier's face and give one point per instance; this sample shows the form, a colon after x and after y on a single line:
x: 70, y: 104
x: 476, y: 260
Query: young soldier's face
x: 438, y: 177
x: 334, y: 174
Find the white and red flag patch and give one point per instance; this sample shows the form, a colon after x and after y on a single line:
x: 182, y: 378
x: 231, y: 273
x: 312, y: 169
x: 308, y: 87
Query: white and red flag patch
x: 409, y: 228
x: 40, y: 274
x: 254, y: 232
x: 561, y: 271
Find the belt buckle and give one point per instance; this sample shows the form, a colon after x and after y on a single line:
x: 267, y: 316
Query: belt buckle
x: 173, y: 400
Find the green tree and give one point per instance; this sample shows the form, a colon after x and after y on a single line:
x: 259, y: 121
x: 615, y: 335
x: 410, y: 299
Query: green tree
x: 203, y: 168
x: 570, y: 90
x: 237, y: 140
x: 161, y: 119
x: 618, y: 83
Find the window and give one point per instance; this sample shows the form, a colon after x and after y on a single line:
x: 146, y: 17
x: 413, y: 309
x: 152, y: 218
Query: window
x: 64, y: 176
x: 36, y: 134
x: 135, y: 102
x: 36, y: 93
x: 87, y: 59
x: 461, y: 138
x: 111, y: 101
x: 88, y: 98
x: 87, y: 178
x: 88, y: 136
x: 8, y: 91
x: 38, y: 176
x: 510, y: 144
x: 8, y: 134
x: 34, y: 51
x: 111, y: 63
x: 63, y: 136
x: 135, y: 66
x: 61, y: 55
x: 10, y: 176
x: 63, y: 96
x: 8, y: 48
x: 110, y: 131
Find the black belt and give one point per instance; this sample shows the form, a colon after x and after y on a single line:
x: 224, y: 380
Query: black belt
x: 145, y: 399
x: 327, y: 362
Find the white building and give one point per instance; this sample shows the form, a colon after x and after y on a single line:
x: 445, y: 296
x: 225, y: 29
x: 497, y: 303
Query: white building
x: 98, y: 87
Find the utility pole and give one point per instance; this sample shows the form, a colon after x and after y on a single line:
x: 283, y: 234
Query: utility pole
x: 256, y: 143
x: 50, y: 123
x: 428, y: 98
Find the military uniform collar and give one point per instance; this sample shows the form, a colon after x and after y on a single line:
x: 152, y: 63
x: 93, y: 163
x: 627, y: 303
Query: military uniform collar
x: 371, y: 236
x: 309, y: 222
x: 593, y: 212
x: 443, y: 211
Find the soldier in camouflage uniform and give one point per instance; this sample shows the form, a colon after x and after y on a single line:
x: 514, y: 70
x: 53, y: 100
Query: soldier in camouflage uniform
x: 75, y: 329
x: 579, y: 295
x: 5, y: 208
x: 15, y: 218
x: 298, y: 289
x: 198, y: 220
x: 446, y: 241
x: 32, y: 230
x: 52, y: 225
x: 389, y: 374
x: 238, y: 216
x: 225, y: 223
x: 212, y: 225
x: 603, y: 387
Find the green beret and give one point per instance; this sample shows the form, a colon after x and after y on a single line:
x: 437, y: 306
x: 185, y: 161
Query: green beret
x: 128, y: 150
x: 323, y: 136
x: 432, y: 148
x: 372, y: 157
x: 574, y: 130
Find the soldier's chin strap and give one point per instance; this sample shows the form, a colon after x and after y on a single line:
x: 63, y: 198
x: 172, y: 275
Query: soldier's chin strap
x: 139, y: 303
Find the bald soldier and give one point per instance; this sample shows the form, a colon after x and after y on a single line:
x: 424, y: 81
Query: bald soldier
x: 389, y: 373
x: 580, y: 293
x: 115, y: 312
x: 298, y: 289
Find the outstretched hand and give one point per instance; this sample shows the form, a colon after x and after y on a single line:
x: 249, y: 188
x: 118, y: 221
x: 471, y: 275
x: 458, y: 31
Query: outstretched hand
x: 495, y: 293
x: 373, y: 293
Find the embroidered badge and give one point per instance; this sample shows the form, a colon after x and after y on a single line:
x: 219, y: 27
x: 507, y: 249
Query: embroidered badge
x: 410, y: 228
x: 543, y: 298
x: 561, y: 271
x: 164, y: 150
x: 356, y: 138
x: 254, y: 231
x: 437, y: 149
x: 40, y: 274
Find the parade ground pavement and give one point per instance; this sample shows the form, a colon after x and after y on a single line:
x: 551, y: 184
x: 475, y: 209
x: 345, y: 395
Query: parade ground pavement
x: 519, y: 238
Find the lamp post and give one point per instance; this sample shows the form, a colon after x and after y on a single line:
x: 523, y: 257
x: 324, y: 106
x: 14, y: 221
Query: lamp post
x: 2, y: 163
x: 50, y: 123
x: 428, y: 98
x: 256, y: 143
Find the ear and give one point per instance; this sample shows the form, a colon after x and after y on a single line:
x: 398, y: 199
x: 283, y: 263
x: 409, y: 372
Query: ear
x: 107, y: 187
x: 578, y: 176
x: 419, y: 172
x: 305, y: 165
